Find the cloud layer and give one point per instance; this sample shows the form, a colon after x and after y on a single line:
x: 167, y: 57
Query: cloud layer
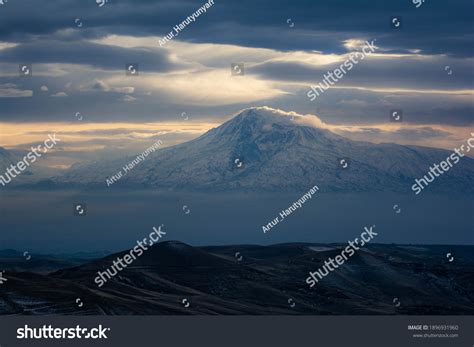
x: 79, y: 53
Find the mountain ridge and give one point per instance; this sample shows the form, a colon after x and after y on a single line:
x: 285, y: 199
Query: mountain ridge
x: 270, y: 150
x: 260, y: 281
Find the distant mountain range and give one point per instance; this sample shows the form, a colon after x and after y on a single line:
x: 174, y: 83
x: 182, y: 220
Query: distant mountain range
x: 173, y: 278
x: 268, y: 150
x: 6, y: 158
x: 31, y: 175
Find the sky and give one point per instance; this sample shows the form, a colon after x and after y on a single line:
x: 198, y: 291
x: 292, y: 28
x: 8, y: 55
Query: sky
x: 79, y: 50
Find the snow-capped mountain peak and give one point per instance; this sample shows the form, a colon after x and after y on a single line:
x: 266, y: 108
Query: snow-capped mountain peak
x: 267, y: 149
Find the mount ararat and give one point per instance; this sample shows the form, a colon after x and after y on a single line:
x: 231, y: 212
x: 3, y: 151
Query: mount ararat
x: 269, y: 150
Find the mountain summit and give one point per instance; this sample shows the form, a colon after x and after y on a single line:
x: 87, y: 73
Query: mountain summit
x: 271, y: 150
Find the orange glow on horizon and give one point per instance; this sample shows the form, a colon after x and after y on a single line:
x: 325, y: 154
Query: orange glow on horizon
x: 17, y: 134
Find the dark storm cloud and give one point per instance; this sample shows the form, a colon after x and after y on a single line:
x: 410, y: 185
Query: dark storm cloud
x: 403, y: 72
x: 437, y: 27
x: 47, y: 33
x: 362, y: 107
x: 106, y: 57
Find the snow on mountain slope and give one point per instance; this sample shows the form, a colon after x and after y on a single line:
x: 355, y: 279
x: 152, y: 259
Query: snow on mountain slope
x: 279, y: 152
